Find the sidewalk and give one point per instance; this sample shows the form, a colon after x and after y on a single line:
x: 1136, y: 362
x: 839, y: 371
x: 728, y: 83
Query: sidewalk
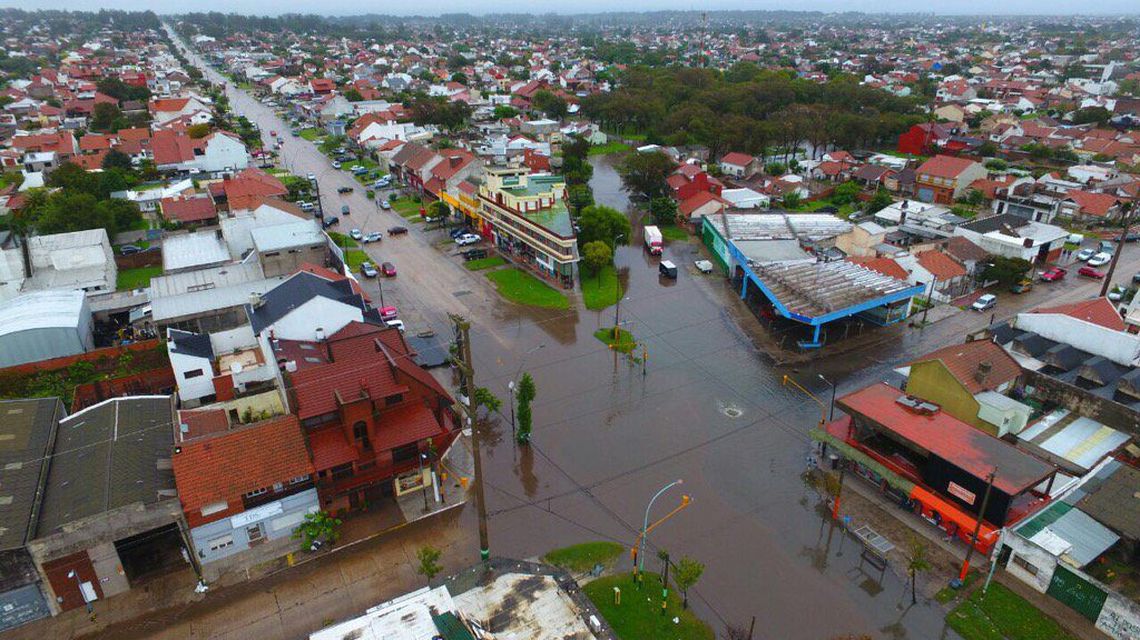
x: 287, y: 605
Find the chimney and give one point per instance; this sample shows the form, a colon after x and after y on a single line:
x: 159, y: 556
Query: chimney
x: 320, y: 334
x: 983, y: 372
x: 255, y: 300
x: 902, y: 213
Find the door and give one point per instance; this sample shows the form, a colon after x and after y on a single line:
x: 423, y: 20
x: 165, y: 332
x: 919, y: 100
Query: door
x: 256, y: 534
x: 1081, y: 596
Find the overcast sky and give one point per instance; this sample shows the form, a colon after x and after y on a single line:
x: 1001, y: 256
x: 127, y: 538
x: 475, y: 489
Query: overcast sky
x: 434, y: 7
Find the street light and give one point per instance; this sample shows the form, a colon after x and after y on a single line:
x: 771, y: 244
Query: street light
x: 645, y: 522
x: 831, y: 410
x: 617, y: 294
x: 78, y: 583
x: 511, y: 386
x: 423, y: 488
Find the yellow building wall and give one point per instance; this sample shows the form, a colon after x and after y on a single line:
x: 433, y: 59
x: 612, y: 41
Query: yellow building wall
x: 933, y: 382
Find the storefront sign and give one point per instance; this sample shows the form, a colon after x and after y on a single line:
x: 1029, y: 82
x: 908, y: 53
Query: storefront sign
x: 247, y: 518
x: 961, y: 492
x: 408, y: 482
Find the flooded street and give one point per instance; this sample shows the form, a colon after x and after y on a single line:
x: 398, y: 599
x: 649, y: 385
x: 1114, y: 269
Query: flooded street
x: 710, y: 410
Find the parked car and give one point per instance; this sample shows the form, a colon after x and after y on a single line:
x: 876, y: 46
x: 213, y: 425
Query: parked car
x: 273, y: 134
x: 336, y: 164
x: 667, y: 269
x: 368, y: 269
x: 384, y: 204
x: 1100, y: 259
x: 458, y: 231
x: 1053, y: 274
x: 399, y: 324
x: 280, y: 141
x: 388, y: 313
x: 987, y: 301
x: 129, y: 249
x: 388, y: 269
x: 359, y: 170
x: 474, y: 254
x: 1090, y: 272
x: 330, y: 221
x: 1022, y: 286
x: 1116, y: 294
x: 312, y: 177
x: 344, y: 209
x: 397, y: 231
x: 306, y: 206
x: 356, y: 234
x: 1084, y: 254
x: 344, y: 190
x: 375, y: 236
x: 1106, y: 246
x: 1136, y: 278
x: 466, y: 239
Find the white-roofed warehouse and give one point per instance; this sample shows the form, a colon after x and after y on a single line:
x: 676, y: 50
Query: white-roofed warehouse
x: 44, y: 324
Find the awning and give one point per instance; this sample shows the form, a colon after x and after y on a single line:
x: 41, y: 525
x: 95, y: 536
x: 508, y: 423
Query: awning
x: 987, y: 535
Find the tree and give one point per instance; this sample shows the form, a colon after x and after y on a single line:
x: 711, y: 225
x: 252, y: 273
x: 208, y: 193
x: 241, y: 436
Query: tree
x: 881, y: 200
x: 601, y: 223
x: 664, y: 210
x: 116, y: 159
x: 987, y: 149
x: 686, y: 575
x: 459, y: 77
x: 505, y: 111
x: 972, y: 197
x: 1006, y: 271
x: 438, y: 210
x: 121, y: 91
x: 197, y: 131
x: 352, y: 94
x: 597, y: 255
x: 845, y: 193
x: 429, y: 566
x: 645, y: 174
x: 792, y: 200
x: 549, y: 103
x: 526, y: 394
x: 1094, y: 115
x: 579, y: 196
x: 484, y: 398
x: 318, y: 528
x: 916, y: 563
x: 107, y: 117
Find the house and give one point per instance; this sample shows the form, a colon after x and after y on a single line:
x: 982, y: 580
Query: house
x: 530, y: 221
x: 922, y: 139
x: 198, y: 209
x: 282, y: 249
x: 1012, y: 236
x: 166, y: 110
x: 700, y: 204
x: 242, y: 487
x: 77, y: 260
x: 971, y: 382
x: 1079, y: 204
x: 738, y: 165
x: 944, y: 179
x: 863, y: 240
x: 943, y: 276
x: 192, y: 251
x: 368, y: 413
x: 217, y: 152
x: 307, y: 307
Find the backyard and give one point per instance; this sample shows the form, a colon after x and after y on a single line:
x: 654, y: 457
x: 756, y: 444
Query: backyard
x: 639, y: 616
x: 137, y: 278
x: 522, y: 288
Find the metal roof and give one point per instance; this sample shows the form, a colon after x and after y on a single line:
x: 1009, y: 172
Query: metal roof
x: 41, y: 310
x: 1069, y: 533
x: 819, y: 288
x: 1080, y: 440
x: 1113, y: 498
x: 26, y: 431
x: 287, y: 236
x: 202, y: 249
x: 778, y: 226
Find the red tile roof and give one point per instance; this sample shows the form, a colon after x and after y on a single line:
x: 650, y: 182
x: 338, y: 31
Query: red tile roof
x: 201, y: 422
x: 945, y: 166
x: 227, y: 465
x: 331, y: 448
x: 414, y: 420
x: 940, y: 265
x: 962, y: 360
x: 885, y: 266
x: 1099, y: 311
x: 698, y: 200
x: 316, y: 390
x: 196, y: 209
x: 948, y: 438
x: 1094, y: 204
x: 737, y: 158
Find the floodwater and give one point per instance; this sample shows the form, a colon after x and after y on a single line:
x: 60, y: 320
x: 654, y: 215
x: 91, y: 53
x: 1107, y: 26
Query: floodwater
x: 708, y: 409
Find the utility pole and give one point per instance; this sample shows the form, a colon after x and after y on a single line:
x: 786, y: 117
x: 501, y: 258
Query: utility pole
x: 1127, y: 219
x: 462, y: 334
x: 929, y: 300
x: 977, y: 526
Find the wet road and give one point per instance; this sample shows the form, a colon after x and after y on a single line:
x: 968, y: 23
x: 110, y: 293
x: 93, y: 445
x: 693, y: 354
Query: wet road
x: 709, y: 409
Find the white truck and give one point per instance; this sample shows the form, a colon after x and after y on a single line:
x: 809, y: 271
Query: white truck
x: 653, y: 240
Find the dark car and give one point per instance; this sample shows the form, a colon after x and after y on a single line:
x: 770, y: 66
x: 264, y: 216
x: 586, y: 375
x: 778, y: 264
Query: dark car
x: 474, y: 254
x: 1136, y: 279
x: 388, y: 269
x: 330, y: 221
x: 129, y: 249
x: 397, y: 231
x: 344, y: 190
x: 344, y: 209
x: 456, y: 232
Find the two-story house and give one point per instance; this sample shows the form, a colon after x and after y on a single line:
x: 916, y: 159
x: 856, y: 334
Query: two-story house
x: 944, y: 179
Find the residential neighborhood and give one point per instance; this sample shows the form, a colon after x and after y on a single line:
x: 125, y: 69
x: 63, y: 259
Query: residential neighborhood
x: 653, y: 324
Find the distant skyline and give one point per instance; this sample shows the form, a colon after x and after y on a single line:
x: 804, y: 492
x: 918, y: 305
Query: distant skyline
x: 436, y: 7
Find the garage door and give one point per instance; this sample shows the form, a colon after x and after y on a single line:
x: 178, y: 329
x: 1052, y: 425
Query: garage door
x: 1071, y: 589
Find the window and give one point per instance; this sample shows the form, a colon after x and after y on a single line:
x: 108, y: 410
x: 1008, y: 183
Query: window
x: 394, y: 399
x: 255, y: 533
x: 1024, y: 564
x: 405, y: 453
x: 192, y: 374
x: 360, y: 434
x: 257, y: 492
x: 298, y: 479
x: 271, y: 254
x: 278, y: 486
x: 221, y: 542
x: 215, y: 507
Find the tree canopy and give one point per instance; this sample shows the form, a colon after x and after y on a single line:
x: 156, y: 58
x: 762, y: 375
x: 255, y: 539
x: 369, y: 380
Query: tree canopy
x: 602, y: 223
x: 644, y: 174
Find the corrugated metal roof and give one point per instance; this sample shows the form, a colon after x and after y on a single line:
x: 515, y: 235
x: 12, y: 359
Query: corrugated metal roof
x: 1084, y: 538
x: 41, y: 310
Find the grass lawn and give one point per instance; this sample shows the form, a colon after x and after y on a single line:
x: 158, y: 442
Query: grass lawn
x: 1003, y: 615
x: 312, y: 134
x: 355, y: 258
x: 136, y: 278
x: 342, y: 240
x: 484, y: 263
x: 522, y: 288
x: 625, y: 342
x: 673, y: 233
x: 367, y: 163
x: 639, y: 615
x: 602, y: 291
x: 582, y: 557
x: 610, y: 147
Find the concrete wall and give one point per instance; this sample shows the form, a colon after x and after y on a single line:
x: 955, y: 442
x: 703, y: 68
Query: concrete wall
x: 287, y: 261
x: 277, y: 520
x: 1072, y: 397
x: 1121, y: 348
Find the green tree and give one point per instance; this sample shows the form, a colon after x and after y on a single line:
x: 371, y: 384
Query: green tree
x: 645, y: 174
x: 439, y: 211
x: 881, y: 200
x: 792, y: 200
x: 318, y: 527
x: 579, y: 196
x: 121, y: 91
x: 601, y: 223
x: 352, y: 94
x: 1091, y: 115
x: 686, y: 575
x: 987, y: 149
x: 197, y: 131
x: 505, y: 111
x: 107, y: 117
x: 550, y: 103
x: 484, y: 398
x: 1006, y: 271
x: 428, y: 557
x: 664, y: 210
x: 116, y: 159
x: 972, y: 197
x: 526, y: 394
x: 917, y: 561
x: 845, y: 193
x: 459, y: 77
x: 597, y: 255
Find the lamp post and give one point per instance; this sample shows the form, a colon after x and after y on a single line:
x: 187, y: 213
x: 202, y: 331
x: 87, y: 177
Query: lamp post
x: 645, y: 522
x: 831, y: 409
x: 512, y: 385
x: 511, y: 389
x: 423, y: 487
x: 380, y: 281
x: 617, y: 293
x: 79, y: 583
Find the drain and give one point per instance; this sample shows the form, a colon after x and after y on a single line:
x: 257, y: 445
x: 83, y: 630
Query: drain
x: 732, y: 412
